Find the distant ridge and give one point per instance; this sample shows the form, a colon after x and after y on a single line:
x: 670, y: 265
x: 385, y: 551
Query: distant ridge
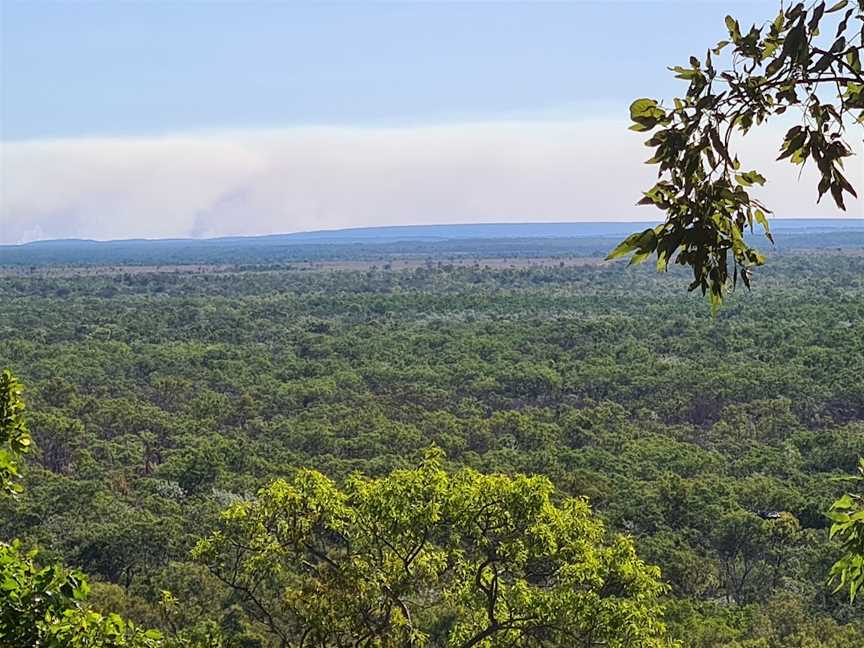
x: 394, y: 233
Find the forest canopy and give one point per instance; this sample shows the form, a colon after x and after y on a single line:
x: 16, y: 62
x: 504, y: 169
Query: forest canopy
x: 712, y: 444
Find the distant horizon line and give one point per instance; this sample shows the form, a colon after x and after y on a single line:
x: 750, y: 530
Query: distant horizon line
x: 342, y: 231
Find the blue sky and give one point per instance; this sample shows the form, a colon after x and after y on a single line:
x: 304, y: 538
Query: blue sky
x: 261, y: 109
x: 148, y: 67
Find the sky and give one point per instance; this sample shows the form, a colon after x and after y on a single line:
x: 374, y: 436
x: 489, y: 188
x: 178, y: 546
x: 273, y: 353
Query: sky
x: 172, y: 119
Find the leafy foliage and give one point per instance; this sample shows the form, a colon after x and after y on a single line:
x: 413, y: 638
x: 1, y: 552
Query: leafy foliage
x: 44, y: 606
x: 792, y: 62
x: 847, y: 515
x: 14, y: 435
x: 179, y: 395
x: 422, y: 557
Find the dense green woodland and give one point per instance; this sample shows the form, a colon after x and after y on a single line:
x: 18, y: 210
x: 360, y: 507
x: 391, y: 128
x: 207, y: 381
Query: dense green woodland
x: 155, y: 401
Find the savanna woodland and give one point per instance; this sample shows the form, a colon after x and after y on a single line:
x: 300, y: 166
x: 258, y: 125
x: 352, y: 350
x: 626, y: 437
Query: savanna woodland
x: 406, y: 445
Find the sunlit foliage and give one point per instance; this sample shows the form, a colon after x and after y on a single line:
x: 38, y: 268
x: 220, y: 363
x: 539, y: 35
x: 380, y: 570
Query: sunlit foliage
x: 422, y: 557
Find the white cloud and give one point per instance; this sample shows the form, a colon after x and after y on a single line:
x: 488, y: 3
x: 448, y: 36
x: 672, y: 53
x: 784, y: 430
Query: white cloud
x: 260, y: 182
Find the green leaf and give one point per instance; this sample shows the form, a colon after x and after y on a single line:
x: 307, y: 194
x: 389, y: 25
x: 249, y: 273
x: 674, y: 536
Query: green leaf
x: 624, y: 247
x: 794, y: 43
x: 641, y: 127
x: 823, y: 63
x: 639, y: 258
x: 844, y: 502
x: 750, y: 178
x: 642, y: 107
x: 854, y: 59
x: 734, y: 29
x: 760, y: 217
x: 779, y: 21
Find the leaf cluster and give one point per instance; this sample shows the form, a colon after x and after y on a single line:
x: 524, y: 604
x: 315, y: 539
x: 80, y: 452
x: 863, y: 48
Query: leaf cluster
x: 847, y: 517
x: 703, y: 188
x: 45, y: 606
x: 14, y: 435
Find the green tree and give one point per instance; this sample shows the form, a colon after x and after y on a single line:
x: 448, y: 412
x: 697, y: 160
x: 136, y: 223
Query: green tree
x: 45, y: 606
x: 423, y: 557
x: 14, y: 435
x: 806, y: 59
x: 847, y: 515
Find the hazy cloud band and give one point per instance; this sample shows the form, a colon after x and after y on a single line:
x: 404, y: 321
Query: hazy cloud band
x: 260, y: 182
